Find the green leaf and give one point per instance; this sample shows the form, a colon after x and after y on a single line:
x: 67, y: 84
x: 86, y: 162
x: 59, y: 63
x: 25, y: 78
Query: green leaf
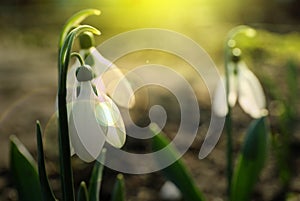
x: 82, y: 192
x: 74, y: 21
x: 47, y: 193
x: 96, y: 178
x: 119, y: 189
x: 176, y: 172
x: 250, y: 161
x: 24, y: 172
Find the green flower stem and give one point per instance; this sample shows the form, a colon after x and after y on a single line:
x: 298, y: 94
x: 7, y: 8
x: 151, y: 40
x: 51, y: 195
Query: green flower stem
x: 74, y: 21
x: 64, y: 143
x: 228, y: 125
x: 229, y: 152
x: 230, y: 43
x: 79, y: 57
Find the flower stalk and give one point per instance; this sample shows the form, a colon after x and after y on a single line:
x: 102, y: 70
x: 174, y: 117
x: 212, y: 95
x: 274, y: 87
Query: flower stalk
x: 64, y: 145
x: 228, y: 121
x: 229, y: 57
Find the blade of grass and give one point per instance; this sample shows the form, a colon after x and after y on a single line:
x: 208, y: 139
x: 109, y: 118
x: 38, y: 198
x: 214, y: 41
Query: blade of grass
x: 119, y: 189
x: 176, y: 172
x: 24, y: 171
x: 82, y: 192
x: 96, y: 178
x: 47, y: 193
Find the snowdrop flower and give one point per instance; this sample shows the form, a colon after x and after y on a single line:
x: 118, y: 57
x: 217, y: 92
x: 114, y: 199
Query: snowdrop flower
x: 93, y: 118
x: 108, y: 77
x: 244, y: 87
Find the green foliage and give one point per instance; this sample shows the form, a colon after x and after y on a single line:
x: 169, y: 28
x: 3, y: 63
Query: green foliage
x: 22, y: 163
x: 250, y: 161
x: 96, y: 178
x: 284, y: 109
x: 24, y: 171
x: 74, y: 21
x: 64, y: 146
x: 33, y: 185
x: 287, y: 123
x: 47, y: 194
x: 118, y: 193
x: 176, y: 172
x: 82, y: 192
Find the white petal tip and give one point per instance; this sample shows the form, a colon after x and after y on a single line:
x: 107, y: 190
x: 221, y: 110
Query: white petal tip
x: 258, y: 113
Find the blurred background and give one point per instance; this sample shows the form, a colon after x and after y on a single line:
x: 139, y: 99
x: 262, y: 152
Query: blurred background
x: 29, y: 31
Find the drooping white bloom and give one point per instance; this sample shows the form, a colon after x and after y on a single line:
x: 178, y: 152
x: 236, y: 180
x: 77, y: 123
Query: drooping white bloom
x: 108, y: 78
x: 93, y: 119
x: 244, y: 87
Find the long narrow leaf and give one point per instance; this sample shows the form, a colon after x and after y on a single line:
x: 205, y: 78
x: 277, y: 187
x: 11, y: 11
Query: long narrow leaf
x: 251, y: 161
x: 119, y: 189
x: 24, y: 172
x: 82, y: 192
x: 96, y: 178
x: 176, y: 172
x: 47, y: 193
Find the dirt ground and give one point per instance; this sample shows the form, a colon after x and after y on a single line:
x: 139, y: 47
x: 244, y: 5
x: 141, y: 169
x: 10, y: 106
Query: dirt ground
x: 28, y: 81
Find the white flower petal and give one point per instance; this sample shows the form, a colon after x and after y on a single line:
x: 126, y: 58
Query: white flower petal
x: 251, y: 94
x: 219, y: 103
x: 86, y: 135
x: 116, y: 84
x: 109, y: 118
x: 98, y: 82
